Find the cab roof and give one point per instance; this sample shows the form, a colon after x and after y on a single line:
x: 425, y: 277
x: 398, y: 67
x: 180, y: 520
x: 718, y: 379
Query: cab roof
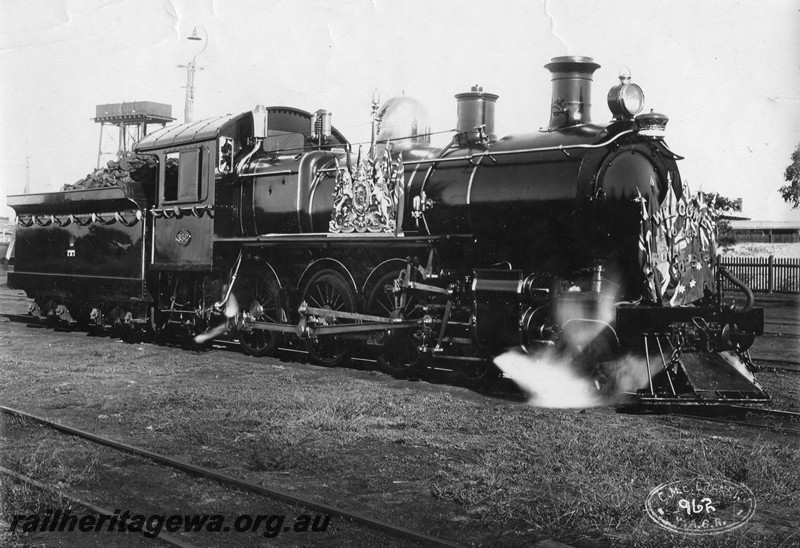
x: 279, y: 119
x: 203, y: 130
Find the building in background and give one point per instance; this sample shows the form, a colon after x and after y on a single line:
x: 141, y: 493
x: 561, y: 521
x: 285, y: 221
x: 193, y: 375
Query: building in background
x: 773, y: 232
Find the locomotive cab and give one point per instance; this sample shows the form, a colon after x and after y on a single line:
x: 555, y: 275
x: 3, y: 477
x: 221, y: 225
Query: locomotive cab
x: 213, y: 173
x: 192, y: 158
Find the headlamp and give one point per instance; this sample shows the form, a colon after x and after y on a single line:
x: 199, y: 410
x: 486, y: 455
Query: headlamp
x: 625, y: 100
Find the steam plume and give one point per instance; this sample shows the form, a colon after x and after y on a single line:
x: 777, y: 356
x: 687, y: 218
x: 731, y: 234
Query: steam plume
x: 231, y: 310
x: 564, y: 378
x: 549, y: 380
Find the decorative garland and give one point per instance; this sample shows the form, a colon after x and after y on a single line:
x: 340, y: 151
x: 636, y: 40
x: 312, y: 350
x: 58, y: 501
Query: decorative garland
x: 26, y: 221
x: 176, y: 212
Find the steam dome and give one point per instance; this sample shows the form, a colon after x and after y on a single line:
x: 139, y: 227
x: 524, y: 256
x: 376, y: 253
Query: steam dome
x: 405, y: 121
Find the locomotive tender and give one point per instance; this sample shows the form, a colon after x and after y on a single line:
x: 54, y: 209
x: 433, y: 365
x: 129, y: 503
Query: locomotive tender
x: 268, y: 226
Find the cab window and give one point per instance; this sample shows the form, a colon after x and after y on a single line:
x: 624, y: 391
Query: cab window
x: 182, y: 176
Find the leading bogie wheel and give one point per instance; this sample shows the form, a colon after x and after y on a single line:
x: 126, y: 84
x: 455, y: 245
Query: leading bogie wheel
x: 595, y: 356
x: 476, y: 373
x: 329, y: 290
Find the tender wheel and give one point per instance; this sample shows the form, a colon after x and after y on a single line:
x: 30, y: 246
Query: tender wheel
x: 329, y: 290
x: 399, y: 356
x: 129, y: 333
x: 257, y: 294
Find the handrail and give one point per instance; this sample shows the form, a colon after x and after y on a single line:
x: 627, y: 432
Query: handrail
x: 491, y: 154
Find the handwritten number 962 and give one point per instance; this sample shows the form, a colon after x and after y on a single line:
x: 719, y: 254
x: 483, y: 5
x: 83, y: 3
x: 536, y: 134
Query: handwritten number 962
x: 692, y: 507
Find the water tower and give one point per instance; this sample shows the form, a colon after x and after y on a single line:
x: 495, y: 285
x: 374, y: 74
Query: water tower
x: 122, y: 124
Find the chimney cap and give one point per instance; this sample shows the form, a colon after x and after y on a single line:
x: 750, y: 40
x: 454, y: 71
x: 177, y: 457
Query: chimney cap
x: 476, y: 92
x: 572, y: 63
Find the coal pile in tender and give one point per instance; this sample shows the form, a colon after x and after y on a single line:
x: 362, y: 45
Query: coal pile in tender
x: 141, y: 168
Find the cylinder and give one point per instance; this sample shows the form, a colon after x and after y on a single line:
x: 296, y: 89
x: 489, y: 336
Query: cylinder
x: 475, y: 109
x: 572, y: 90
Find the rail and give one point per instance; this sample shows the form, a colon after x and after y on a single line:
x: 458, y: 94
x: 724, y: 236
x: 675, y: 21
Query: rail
x: 743, y: 416
x: 763, y: 274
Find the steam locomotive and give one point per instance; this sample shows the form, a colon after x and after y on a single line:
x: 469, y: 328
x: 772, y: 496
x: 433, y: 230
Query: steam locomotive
x: 271, y: 228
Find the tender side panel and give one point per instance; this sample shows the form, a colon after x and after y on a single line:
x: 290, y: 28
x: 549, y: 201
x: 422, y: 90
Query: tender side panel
x: 68, y: 259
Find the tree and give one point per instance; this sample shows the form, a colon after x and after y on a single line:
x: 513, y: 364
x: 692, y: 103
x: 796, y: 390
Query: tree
x: 791, y: 192
x: 722, y: 204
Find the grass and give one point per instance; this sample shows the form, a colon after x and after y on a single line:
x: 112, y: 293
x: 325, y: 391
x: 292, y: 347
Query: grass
x: 471, y: 468
x: 594, y: 480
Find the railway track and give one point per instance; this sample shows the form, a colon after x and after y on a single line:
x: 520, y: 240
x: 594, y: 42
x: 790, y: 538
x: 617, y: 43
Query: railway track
x: 21, y: 318
x: 792, y: 364
x: 782, y: 365
x: 505, y: 388
x: 743, y: 416
x: 782, y: 322
x: 200, y: 471
x: 435, y: 375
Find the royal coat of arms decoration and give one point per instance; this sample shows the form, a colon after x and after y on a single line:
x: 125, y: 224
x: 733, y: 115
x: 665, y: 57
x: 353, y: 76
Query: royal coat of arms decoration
x: 368, y: 197
x: 677, y: 247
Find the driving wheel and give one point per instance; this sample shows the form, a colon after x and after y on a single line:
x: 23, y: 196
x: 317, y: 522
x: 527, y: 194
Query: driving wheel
x: 399, y: 355
x: 329, y: 290
x: 257, y: 294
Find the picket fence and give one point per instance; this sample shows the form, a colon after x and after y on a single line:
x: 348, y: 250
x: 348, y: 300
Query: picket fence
x: 763, y: 274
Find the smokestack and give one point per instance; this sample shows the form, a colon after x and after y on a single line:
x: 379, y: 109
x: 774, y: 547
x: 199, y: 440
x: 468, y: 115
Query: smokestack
x: 572, y: 90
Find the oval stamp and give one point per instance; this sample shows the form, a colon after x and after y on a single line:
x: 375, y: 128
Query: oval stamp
x: 700, y: 506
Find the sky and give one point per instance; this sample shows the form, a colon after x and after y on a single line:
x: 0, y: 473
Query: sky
x: 726, y: 73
